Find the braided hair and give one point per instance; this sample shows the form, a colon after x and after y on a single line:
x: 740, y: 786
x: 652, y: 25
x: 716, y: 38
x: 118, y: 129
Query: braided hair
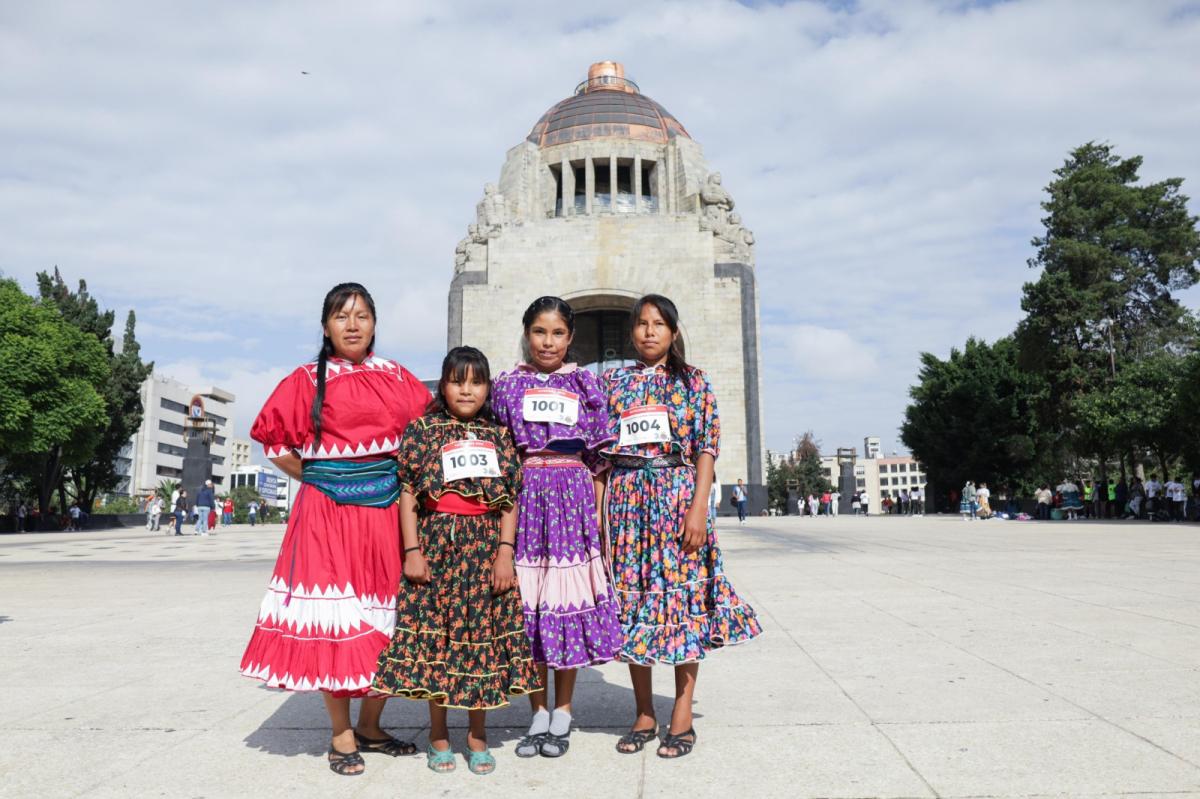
x: 337, y: 297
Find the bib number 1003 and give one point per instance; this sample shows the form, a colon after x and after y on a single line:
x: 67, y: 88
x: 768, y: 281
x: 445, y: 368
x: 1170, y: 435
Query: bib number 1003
x: 648, y: 424
x: 462, y: 460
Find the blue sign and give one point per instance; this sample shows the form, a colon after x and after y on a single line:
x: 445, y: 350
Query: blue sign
x: 268, y: 486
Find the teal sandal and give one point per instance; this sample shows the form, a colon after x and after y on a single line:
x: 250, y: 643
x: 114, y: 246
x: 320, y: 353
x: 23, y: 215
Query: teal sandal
x: 480, y: 762
x: 441, y: 761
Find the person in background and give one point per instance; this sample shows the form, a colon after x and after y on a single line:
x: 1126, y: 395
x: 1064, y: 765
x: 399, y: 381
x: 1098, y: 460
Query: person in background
x: 227, y: 512
x: 714, y: 499
x: 154, y: 510
x: 204, y: 503
x: 1153, y: 491
x: 740, y: 499
x: 21, y: 511
x: 835, y: 499
x: 1044, y: 497
x: 864, y: 499
x: 1071, y: 503
x: 983, y: 498
x: 252, y: 511
x: 812, y: 505
x: 826, y: 499
x: 856, y: 503
x: 180, y: 509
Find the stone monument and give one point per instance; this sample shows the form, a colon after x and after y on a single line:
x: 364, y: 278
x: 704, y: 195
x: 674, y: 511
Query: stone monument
x: 607, y: 199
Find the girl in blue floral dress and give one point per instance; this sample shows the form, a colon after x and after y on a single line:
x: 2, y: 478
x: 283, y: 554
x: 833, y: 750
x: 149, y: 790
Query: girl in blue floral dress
x: 676, y: 603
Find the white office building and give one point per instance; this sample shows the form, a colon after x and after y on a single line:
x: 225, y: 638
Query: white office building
x: 880, y: 476
x: 156, y: 452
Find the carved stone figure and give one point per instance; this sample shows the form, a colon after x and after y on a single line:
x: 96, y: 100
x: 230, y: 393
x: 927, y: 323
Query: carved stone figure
x: 469, y: 248
x: 734, y: 241
x: 491, y: 213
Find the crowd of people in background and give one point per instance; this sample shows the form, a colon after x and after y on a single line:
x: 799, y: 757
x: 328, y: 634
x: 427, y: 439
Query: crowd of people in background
x: 1168, y: 500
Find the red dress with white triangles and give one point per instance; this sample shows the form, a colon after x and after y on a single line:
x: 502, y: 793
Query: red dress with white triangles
x: 331, y: 605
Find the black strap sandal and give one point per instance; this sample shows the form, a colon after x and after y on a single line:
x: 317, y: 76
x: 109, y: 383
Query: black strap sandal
x: 530, y: 745
x: 679, y: 743
x: 636, y: 739
x: 388, y: 746
x: 342, y: 762
x: 555, y: 745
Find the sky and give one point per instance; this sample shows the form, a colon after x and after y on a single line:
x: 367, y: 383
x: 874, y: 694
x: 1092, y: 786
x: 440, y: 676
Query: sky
x: 889, y: 156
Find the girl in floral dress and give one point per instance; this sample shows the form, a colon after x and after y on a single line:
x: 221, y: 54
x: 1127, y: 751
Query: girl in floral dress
x: 676, y: 602
x: 460, y: 635
x: 558, y: 415
x: 330, y: 608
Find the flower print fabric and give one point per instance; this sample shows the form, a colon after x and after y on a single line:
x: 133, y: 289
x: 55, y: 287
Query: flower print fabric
x: 570, y: 609
x: 675, y: 606
x: 455, y: 642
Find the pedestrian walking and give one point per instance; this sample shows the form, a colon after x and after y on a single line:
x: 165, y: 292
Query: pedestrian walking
x: 856, y: 503
x: 154, y: 511
x: 22, y: 510
x: 835, y: 499
x: 180, y: 510
x: 204, y: 504
x: 330, y: 607
x: 227, y: 512
x: 252, y: 511
x: 677, y: 604
x: 967, y: 507
x: 740, y: 500
x: 812, y: 505
x: 864, y: 500
x: 714, y: 499
x: 983, y: 500
x: 558, y: 416
x: 1044, y: 497
x: 460, y: 638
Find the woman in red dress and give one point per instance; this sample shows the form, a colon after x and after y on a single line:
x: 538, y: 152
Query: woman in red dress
x: 330, y: 608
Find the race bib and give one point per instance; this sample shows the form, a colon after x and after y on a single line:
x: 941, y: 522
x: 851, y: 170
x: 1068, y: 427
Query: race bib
x: 550, y: 405
x: 462, y: 460
x: 645, y: 425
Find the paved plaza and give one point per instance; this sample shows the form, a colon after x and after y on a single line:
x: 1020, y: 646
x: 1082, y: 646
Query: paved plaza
x: 902, y: 658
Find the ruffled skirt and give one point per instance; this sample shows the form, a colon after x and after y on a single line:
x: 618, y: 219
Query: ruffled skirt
x: 330, y: 607
x: 455, y: 642
x: 675, y: 607
x: 570, y: 611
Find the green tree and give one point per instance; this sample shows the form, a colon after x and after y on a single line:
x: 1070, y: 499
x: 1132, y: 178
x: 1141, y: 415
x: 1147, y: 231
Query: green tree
x: 122, y: 390
x: 52, y: 414
x: 166, y: 488
x: 242, y: 496
x: 799, y: 472
x: 974, y: 415
x: 1112, y: 254
x: 1184, y: 418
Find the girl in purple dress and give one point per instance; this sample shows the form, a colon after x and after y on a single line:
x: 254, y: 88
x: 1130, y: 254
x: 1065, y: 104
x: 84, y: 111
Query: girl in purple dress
x: 559, y: 420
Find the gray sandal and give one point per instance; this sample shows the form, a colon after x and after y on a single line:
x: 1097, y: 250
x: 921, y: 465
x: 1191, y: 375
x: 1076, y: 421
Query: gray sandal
x: 555, y: 745
x: 530, y: 745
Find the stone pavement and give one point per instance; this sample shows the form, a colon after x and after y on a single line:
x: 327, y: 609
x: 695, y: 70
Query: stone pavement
x: 902, y: 658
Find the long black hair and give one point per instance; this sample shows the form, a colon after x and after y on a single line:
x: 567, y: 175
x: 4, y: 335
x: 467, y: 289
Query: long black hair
x: 676, y: 365
x: 455, y: 366
x: 338, y: 296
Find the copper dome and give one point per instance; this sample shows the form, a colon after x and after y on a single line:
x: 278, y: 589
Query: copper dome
x: 606, y: 106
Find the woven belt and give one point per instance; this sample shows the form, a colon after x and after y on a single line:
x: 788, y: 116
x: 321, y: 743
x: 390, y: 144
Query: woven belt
x: 657, y: 462
x: 372, y: 484
x: 552, y: 459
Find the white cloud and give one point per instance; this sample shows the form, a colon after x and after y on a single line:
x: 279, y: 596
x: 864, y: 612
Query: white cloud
x: 889, y: 157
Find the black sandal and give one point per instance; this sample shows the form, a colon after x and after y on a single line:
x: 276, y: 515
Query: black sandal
x: 678, y: 743
x: 530, y: 745
x: 561, y: 744
x: 388, y: 746
x: 637, y: 739
x: 342, y: 762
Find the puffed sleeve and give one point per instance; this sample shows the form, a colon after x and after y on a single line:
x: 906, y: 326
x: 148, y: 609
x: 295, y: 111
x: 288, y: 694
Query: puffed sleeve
x: 705, y: 422
x: 510, y: 466
x: 594, y: 421
x: 408, y: 457
x: 284, y: 424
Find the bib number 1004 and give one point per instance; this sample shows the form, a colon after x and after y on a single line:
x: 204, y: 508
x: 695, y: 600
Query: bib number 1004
x: 645, y: 425
x: 466, y: 459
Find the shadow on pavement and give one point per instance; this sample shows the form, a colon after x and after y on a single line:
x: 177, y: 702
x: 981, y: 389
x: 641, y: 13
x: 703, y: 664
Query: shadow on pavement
x: 300, y: 726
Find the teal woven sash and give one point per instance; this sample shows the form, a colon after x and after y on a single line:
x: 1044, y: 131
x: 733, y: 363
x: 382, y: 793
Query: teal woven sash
x: 370, y: 483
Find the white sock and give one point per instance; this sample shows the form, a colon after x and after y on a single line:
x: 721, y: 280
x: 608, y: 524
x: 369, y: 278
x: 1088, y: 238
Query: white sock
x: 540, y: 723
x: 560, y: 722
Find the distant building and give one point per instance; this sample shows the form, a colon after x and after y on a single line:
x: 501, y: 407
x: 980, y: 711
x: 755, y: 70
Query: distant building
x: 239, y: 453
x: 871, y: 447
x: 270, y: 484
x: 156, y: 451
x: 880, y: 476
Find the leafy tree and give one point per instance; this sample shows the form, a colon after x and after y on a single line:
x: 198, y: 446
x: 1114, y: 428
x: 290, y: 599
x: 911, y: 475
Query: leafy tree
x: 1111, y: 256
x: 52, y: 414
x: 166, y: 488
x: 974, y: 415
x: 1184, y: 418
x: 122, y: 390
x: 800, y: 472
